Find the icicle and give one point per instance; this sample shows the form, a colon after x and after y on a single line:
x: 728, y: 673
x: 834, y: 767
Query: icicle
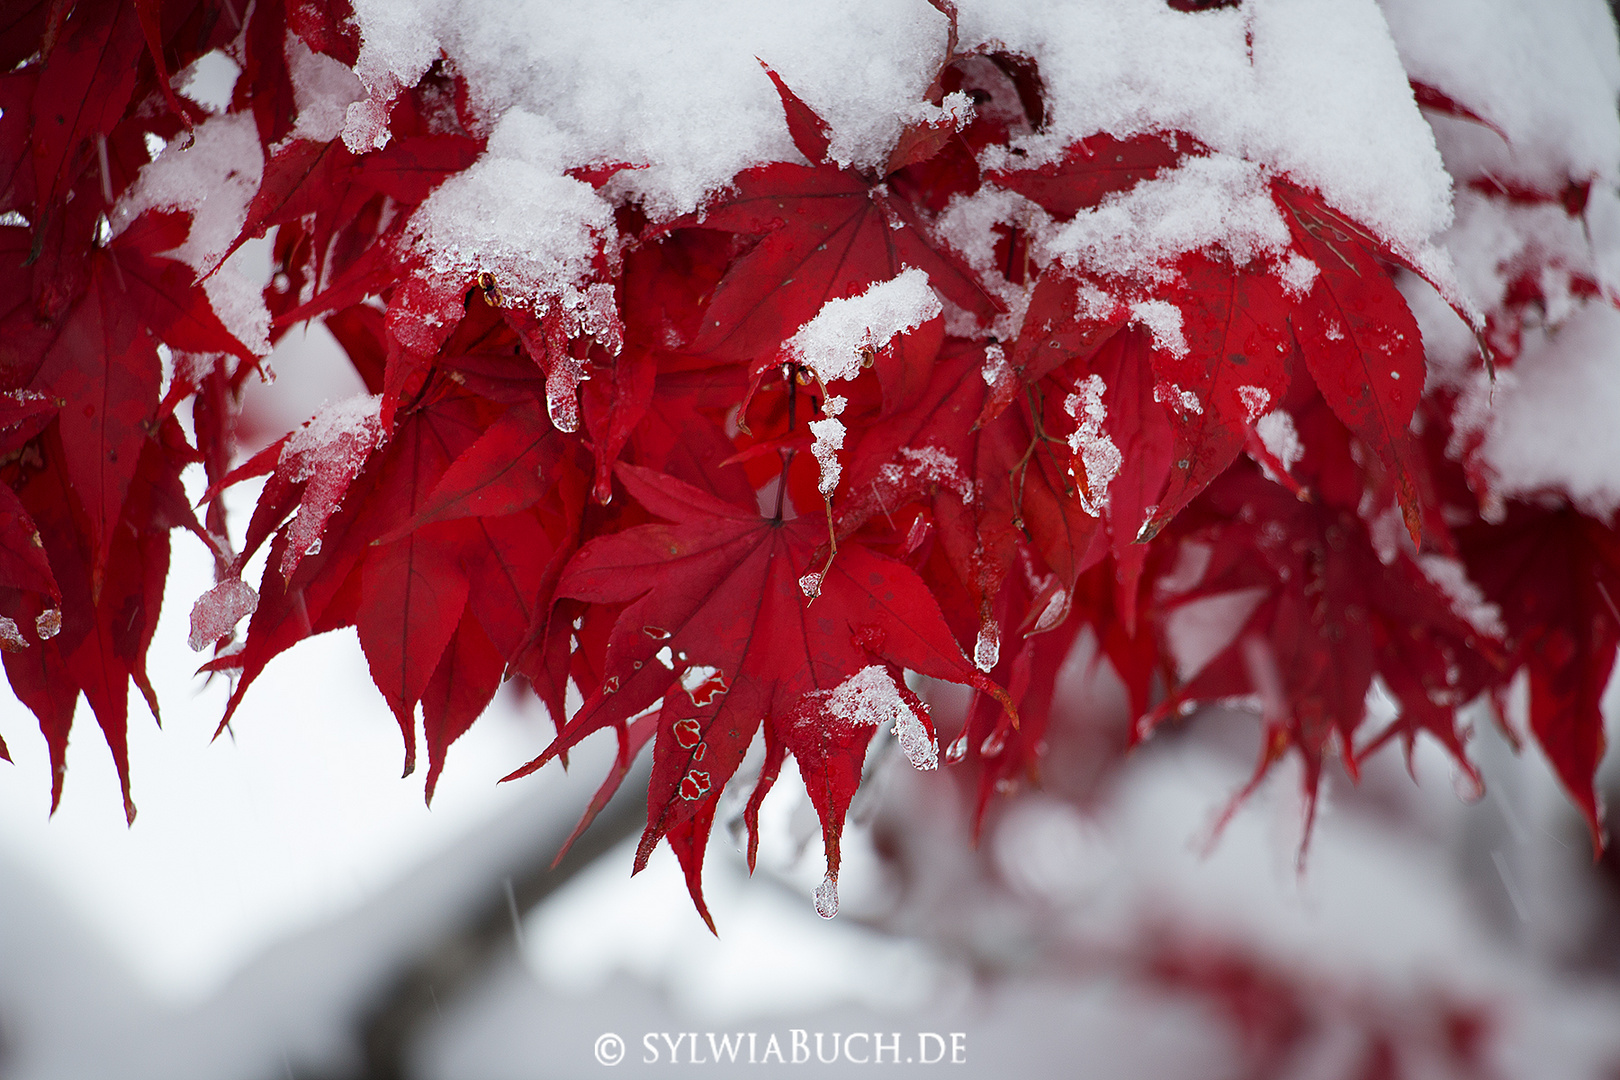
x: 827, y: 896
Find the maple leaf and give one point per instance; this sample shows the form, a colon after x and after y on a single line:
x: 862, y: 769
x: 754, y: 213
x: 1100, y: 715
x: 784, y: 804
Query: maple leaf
x: 1092, y: 168
x: 1231, y: 367
x: 1003, y: 755
x: 468, y: 517
x: 82, y: 94
x: 825, y: 233
x: 104, y: 359
x: 1123, y: 461
x: 1327, y: 614
x: 1556, y: 575
x: 1360, y: 341
x: 721, y: 667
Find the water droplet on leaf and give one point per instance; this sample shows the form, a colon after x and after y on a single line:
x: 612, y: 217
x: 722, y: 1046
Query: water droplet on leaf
x: 1468, y: 785
x: 993, y: 743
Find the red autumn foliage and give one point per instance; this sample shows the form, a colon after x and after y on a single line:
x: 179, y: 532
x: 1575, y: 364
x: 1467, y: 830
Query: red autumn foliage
x: 620, y: 501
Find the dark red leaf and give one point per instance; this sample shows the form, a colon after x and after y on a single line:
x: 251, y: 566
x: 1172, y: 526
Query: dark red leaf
x: 722, y: 666
x: 1556, y: 575
x: 1232, y: 369
x: 106, y: 364
x: 1361, y: 343
x: 460, y: 688
x: 504, y: 471
x: 82, y: 93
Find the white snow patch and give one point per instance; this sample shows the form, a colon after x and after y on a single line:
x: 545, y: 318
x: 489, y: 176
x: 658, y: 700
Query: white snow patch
x: 1218, y: 203
x: 1280, y: 438
x: 342, y: 432
x: 996, y: 371
x: 1255, y: 399
x: 829, y: 439
x: 213, y: 177
x: 1163, y: 320
x: 832, y: 343
x: 870, y: 696
x: 516, y: 215
x: 1549, y: 422
x: 323, y: 90
x: 1098, y: 455
x: 1467, y: 600
x: 1309, y: 89
x: 1297, y: 274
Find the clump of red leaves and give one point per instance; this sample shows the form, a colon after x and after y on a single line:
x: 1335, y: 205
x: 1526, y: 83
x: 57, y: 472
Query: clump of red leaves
x: 1281, y: 1019
x: 626, y: 504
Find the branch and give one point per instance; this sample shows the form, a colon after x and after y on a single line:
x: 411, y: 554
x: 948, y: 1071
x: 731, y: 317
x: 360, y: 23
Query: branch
x: 455, y: 963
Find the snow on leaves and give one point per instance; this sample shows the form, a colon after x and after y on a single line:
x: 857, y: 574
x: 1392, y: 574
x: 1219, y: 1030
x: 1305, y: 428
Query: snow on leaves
x: 730, y: 475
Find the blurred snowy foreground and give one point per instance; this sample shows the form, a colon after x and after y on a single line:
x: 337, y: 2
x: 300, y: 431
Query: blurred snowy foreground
x: 279, y: 879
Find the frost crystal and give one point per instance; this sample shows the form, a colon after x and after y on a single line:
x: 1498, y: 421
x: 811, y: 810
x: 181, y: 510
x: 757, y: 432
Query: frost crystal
x: 1255, y: 399
x: 996, y: 370
x: 1185, y: 400
x: 934, y: 465
x: 1098, y: 455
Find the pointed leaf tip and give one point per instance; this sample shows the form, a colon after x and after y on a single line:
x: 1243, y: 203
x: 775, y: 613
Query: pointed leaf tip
x: 809, y: 131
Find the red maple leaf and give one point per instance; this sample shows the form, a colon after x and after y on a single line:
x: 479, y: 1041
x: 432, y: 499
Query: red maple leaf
x: 1556, y: 575
x: 1092, y: 168
x: 1326, y: 615
x: 718, y: 625
x: 1359, y: 340
x: 824, y: 232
